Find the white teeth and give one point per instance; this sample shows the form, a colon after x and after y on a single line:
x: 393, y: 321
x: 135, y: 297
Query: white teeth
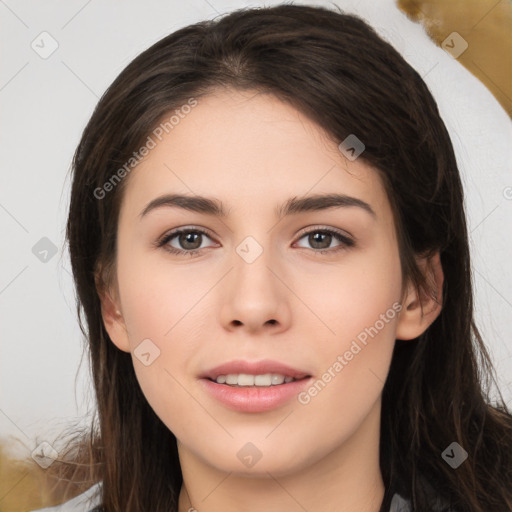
x: 231, y: 379
x: 245, y: 379
x: 263, y: 380
x: 277, y: 379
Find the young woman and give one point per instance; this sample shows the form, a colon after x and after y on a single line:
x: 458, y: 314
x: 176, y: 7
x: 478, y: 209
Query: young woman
x: 269, y: 245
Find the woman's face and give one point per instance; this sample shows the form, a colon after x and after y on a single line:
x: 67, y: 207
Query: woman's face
x: 259, y: 289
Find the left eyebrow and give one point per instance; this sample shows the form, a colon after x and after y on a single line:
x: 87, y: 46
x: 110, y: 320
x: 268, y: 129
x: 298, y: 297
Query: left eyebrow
x: 294, y: 205
x: 322, y: 202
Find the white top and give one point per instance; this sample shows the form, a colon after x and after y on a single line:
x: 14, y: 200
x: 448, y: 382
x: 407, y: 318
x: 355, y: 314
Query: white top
x: 84, y: 502
x: 91, y: 498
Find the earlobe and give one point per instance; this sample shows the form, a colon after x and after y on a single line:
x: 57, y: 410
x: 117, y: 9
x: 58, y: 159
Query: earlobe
x: 113, y: 321
x: 420, y: 310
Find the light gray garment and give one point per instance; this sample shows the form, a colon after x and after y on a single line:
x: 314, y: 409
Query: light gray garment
x: 399, y: 504
x: 82, y: 503
x: 86, y: 501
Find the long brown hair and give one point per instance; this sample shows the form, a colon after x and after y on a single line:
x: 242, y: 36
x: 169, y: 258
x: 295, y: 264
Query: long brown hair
x: 334, y: 68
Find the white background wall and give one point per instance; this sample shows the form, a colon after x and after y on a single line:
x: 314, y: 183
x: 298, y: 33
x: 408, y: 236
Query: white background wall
x: 45, y: 104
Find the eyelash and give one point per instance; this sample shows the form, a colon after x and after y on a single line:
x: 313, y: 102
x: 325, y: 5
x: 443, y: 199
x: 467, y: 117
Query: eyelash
x: 346, y: 242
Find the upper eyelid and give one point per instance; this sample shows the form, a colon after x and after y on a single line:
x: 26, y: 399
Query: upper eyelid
x: 186, y: 229
x: 319, y: 227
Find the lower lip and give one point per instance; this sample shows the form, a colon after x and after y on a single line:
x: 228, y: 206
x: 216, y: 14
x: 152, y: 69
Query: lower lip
x: 254, y: 399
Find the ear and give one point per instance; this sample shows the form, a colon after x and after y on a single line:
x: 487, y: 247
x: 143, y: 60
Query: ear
x: 112, y: 316
x: 419, y: 312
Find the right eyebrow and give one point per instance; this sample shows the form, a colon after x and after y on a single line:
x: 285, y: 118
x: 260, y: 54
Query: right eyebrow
x: 200, y: 204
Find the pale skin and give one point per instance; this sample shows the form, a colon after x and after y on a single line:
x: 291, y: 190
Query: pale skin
x: 292, y: 304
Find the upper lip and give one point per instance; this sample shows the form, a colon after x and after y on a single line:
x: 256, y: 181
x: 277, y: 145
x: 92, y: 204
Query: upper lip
x: 254, y: 368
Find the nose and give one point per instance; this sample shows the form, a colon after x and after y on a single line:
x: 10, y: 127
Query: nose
x: 255, y: 297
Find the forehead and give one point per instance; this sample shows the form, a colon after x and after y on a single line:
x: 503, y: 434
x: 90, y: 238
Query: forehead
x: 248, y: 148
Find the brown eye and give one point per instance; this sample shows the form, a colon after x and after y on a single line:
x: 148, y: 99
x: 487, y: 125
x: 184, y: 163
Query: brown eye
x: 320, y: 240
x: 189, y: 241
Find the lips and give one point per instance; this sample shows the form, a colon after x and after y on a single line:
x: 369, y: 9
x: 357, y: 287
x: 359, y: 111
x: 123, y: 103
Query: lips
x: 255, y: 368
x: 254, y: 399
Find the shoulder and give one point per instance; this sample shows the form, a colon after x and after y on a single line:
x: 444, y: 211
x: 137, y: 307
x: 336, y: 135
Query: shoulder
x: 436, y: 502
x: 84, y: 502
x: 400, y: 504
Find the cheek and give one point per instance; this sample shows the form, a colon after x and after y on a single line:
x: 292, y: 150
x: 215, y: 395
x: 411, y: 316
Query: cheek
x: 353, y: 295
x: 360, y: 310
x: 157, y: 299
x: 158, y: 305
x: 353, y: 362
